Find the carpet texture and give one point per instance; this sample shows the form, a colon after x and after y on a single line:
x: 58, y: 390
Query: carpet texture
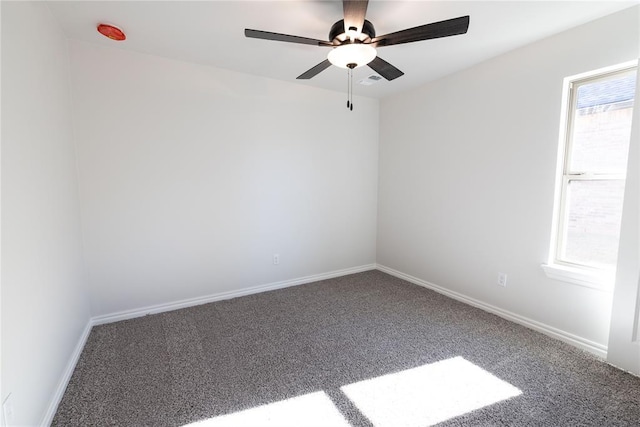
x: 361, y: 350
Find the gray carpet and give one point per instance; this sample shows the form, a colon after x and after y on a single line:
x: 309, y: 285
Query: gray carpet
x: 452, y: 364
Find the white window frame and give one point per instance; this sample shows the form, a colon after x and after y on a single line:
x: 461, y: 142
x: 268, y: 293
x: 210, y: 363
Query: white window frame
x: 598, y: 278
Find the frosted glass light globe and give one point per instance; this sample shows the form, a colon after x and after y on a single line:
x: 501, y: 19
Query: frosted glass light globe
x: 352, y: 53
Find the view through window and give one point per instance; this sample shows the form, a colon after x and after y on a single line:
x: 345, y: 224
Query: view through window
x: 595, y: 163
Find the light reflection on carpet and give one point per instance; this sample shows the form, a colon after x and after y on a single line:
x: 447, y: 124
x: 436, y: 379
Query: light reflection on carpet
x: 416, y: 397
x: 313, y: 409
x: 428, y: 394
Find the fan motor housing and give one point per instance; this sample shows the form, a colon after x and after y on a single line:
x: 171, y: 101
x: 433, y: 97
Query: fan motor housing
x: 338, y: 34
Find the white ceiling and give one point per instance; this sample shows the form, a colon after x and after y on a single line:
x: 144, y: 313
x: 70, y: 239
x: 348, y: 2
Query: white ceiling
x: 212, y: 33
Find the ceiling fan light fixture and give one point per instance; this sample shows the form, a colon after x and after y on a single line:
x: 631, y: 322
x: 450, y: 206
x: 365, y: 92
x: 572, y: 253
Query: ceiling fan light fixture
x: 352, y: 53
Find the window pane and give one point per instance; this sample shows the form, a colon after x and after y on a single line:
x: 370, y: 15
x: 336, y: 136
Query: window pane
x: 594, y: 211
x: 602, y: 125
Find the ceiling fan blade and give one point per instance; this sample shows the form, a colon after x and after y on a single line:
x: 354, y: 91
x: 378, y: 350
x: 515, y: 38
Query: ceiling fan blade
x: 450, y: 27
x: 354, y: 12
x: 315, y: 70
x: 385, y: 69
x: 266, y: 35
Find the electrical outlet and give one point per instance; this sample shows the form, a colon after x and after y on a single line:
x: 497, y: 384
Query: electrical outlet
x: 276, y: 259
x: 7, y: 410
x: 502, y: 280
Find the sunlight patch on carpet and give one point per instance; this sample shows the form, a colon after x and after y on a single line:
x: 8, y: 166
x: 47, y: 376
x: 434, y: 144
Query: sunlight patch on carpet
x: 428, y: 394
x: 313, y: 409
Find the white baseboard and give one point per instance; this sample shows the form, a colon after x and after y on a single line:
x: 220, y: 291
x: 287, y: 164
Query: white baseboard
x: 159, y: 308
x: 66, y: 376
x: 582, y: 343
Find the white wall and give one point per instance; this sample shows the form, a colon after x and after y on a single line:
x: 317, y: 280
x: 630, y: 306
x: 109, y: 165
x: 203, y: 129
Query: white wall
x: 192, y: 177
x: 467, y: 167
x: 45, y: 306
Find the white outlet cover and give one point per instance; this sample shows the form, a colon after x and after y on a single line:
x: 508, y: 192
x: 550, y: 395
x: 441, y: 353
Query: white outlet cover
x: 502, y: 279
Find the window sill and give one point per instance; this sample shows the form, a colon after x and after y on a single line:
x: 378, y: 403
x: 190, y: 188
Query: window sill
x: 602, y: 280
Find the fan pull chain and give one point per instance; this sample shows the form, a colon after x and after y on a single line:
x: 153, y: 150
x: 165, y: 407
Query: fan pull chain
x: 350, y: 86
x: 349, y: 89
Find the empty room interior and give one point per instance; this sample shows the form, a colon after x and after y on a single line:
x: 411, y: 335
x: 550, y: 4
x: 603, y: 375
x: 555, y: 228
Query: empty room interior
x: 320, y: 213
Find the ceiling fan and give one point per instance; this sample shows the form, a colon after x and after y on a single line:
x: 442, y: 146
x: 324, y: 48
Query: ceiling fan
x: 353, y: 41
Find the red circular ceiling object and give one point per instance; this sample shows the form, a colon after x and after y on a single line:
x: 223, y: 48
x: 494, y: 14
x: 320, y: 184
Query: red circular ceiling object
x: 114, y: 33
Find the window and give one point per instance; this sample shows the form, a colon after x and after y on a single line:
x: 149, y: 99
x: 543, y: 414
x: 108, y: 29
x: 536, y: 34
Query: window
x: 594, y: 147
